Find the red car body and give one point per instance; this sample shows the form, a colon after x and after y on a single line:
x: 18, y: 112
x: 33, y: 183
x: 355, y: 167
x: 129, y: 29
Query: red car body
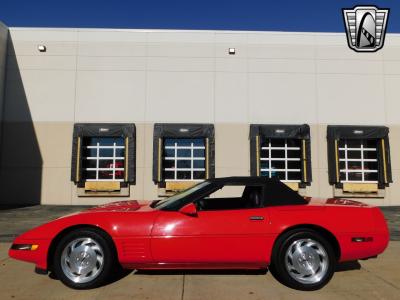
x: 148, y: 238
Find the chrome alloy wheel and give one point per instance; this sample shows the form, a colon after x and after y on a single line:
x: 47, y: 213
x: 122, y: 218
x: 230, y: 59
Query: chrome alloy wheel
x: 306, y: 261
x: 82, y: 260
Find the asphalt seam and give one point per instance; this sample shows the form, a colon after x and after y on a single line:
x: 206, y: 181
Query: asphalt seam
x: 183, y: 286
x: 3, y: 260
x: 381, y: 278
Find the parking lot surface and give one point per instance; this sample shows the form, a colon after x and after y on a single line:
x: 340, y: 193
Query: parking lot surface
x: 16, y: 220
x: 372, y: 279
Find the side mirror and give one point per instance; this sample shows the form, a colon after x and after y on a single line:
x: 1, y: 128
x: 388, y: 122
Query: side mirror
x: 189, y: 210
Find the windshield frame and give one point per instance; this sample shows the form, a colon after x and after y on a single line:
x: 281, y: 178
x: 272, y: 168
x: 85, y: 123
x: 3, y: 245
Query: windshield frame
x: 180, y: 199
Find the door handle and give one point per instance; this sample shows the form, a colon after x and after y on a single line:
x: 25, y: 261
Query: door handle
x: 256, y: 218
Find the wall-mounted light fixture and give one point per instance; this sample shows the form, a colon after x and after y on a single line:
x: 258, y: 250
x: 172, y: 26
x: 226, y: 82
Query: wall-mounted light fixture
x: 41, y: 48
x: 232, y: 51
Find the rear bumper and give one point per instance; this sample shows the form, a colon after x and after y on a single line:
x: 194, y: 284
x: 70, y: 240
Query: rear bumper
x: 371, y: 247
x: 37, y: 256
x: 366, y: 243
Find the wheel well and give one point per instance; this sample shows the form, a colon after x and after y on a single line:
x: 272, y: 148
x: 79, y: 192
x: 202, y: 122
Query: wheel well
x: 324, y: 232
x: 67, y: 230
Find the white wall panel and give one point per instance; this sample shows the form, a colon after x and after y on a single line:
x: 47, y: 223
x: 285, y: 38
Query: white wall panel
x: 110, y: 96
x: 392, y: 53
x: 289, y: 61
x: 392, y: 99
x: 281, y: 65
x: 43, y: 34
x: 281, y: 51
x: 342, y: 51
x: 282, y: 98
x: 111, y: 63
x: 112, y: 35
x: 351, y: 99
x: 180, y: 97
x: 30, y: 48
x: 290, y: 39
x: 231, y: 97
x: 191, y: 64
x: 361, y: 67
x: 181, y: 36
x: 40, y: 95
x: 391, y: 66
x: 230, y: 64
x: 36, y: 62
x: 180, y: 49
x: 111, y: 49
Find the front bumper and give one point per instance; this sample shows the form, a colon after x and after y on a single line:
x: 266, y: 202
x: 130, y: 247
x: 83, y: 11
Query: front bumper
x: 22, y: 249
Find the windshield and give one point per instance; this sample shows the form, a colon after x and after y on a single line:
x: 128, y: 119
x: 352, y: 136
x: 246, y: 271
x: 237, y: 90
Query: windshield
x: 181, y: 195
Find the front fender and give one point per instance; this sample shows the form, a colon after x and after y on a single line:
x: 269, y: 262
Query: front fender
x: 43, y: 235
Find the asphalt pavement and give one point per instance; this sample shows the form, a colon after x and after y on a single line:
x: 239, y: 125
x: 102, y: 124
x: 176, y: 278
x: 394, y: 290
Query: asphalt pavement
x: 372, y: 279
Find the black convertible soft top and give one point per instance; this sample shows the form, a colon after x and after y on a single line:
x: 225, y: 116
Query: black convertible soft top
x: 276, y: 193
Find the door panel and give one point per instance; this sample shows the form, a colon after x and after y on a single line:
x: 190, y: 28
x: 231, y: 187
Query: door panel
x: 225, y: 236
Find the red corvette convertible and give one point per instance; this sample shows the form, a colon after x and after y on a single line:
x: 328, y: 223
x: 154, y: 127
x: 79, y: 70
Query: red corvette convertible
x: 254, y: 223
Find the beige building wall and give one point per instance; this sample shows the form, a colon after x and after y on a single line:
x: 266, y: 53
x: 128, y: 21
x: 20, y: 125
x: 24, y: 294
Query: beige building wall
x: 148, y: 76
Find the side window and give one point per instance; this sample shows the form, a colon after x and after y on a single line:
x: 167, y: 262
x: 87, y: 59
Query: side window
x: 231, y: 197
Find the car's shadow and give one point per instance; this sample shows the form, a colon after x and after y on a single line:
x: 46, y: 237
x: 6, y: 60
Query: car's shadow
x: 202, y: 272
x: 116, y: 276
x: 122, y: 273
x: 341, y: 267
x: 348, y: 266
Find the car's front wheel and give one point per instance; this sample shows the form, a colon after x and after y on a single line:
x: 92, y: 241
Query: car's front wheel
x: 84, y: 259
x: 303, y: 260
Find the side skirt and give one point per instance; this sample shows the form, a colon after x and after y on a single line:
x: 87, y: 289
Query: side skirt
x: 194, y: 266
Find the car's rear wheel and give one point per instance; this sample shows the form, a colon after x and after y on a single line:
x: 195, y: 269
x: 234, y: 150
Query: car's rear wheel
x: 303, y: 259
x: 84, y: 259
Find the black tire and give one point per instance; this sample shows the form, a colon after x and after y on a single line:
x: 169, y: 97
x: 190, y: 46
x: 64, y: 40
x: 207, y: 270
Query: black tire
x: 278, y: 260
x: 109, y: 262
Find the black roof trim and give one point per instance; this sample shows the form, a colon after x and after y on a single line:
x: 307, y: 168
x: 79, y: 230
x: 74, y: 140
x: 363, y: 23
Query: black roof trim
x: 276, y: 192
